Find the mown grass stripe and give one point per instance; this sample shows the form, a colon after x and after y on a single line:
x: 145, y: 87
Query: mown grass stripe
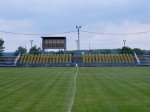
x: 98, y: 89
x: 49, y: 88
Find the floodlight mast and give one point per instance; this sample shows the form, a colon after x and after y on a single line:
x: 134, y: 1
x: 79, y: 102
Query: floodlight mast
x: 124, y: 41
x: 77, y: 43
x: 78, y: 30
x: 31, y: 42
x: 89, y: 46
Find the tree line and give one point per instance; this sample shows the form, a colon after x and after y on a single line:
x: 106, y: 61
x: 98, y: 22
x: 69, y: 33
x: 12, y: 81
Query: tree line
x: 20, y: 49
x: 37, y: 50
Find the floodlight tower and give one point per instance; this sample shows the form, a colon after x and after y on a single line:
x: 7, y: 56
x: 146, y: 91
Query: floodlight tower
x: 77, y: 43
x: 124, y: 41
x: 25, y: 44
x: 31, y: 42
x: 78, y: 30
x: 89, y: 46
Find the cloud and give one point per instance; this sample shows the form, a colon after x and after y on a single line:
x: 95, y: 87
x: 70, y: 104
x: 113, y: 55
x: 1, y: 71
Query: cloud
x: 97, y: 41
x: 116, y: 41
x: 56, y: 6
x: 15, y: 25
x: 12, y: 41
x: 54, y: 16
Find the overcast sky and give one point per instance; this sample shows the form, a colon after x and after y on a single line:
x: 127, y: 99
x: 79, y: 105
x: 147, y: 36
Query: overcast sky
x: 55, y: 16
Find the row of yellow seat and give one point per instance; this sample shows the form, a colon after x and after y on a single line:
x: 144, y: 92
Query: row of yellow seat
x: 46, y: 58
x: 108, y: 58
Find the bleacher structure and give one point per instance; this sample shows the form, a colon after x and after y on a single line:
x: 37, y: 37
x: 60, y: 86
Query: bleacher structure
x: 48, y: 60
x: 82, y: 60
x: 109, y: 60
x: 144, y: 60
x: 8, y: 61
x: 45, y: 60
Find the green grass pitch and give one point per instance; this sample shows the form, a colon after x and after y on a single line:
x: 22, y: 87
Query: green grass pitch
x: 98, y: 89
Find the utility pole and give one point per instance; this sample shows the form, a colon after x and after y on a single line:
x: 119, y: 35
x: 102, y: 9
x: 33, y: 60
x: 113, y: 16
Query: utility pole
x: 89, y: 46
x: 78, y: 30
x: 77, y: 43
x: 124, y: 41
x: 25, y: 44
x: 31, y: 42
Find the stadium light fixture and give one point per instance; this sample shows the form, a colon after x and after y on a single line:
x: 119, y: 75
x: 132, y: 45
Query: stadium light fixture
x: 31, y: 42
x: 78, y: 30
x: 89, y: 46
x: 77, y: 43
x: 124, y: 41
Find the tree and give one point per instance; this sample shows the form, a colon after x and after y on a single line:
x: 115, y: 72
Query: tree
x: 146, y: 52
x: 138, y: 51
x: 126, y: 50
x: 21, y: 50
x: 35, y: 50
x: 1, y: 46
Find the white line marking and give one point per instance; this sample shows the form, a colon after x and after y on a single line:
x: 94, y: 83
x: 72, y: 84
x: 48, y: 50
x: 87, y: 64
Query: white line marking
x: 74, y: 90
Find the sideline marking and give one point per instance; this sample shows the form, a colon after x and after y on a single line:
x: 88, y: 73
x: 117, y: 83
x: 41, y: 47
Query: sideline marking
x: 74, y: 90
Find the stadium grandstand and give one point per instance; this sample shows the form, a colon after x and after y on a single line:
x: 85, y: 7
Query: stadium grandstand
x: 69, y: 59
x: 8, y: 59
x: 144, y: 60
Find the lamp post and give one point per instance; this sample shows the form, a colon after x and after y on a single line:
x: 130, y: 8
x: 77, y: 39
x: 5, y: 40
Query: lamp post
x: 124, y: 41
x: 31, y: 42
x: 78, y: 30
x: 77, y: 43
x: 25, y: 44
